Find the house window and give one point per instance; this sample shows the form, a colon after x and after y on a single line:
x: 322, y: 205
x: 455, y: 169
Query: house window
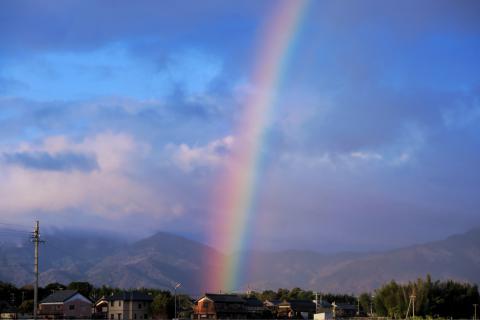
x: 145, y: 316
x: 119, y: 303
x: 71, y: 307
x: 112, y: 316
x: 139, y: 306
x: 111, y: 303
x: 134, y: 316
x: 119, y: 316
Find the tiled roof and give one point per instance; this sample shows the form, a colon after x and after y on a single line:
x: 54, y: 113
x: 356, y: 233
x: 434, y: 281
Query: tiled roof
x: 130, y: 296
x: 299, y: 304
x: 272, y: 302
x: 228, y: 298
x: 59, y: 296
x: 253, y: 302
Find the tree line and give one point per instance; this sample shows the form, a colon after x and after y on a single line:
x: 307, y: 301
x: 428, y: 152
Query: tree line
x: 437, y: 299
x: 445, y: 299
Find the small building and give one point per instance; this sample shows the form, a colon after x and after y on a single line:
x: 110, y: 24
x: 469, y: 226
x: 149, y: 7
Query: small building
x: 323, y: 316
x: 220, y: 306
x: 100, y: 309
x: 344, y: 310
x: 296, y: 309
x: 256, y: 310
x: 323, y: 306
x: 132, y: 305
x: 65, y: 304
x: 7, y: 311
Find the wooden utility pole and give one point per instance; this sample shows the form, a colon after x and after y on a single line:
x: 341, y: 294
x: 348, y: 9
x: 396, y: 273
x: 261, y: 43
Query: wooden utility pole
x: 36, y: 240
x: 413, y: 305
x: 475, y: 311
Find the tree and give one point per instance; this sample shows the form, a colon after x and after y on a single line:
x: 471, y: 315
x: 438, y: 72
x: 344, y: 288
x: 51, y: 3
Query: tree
x: 26, y: 307
x: 55, y: 286
x: 365, y: 301
x: 84, y: 288
x: 163, y: 305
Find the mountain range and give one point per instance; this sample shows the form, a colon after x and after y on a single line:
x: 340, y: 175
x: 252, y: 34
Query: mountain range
x: 164, y: 258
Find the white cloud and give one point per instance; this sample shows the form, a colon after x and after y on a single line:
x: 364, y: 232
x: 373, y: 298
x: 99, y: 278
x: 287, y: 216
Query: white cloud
x: 110, y: 191
x: 367, y: 156
x: 188, y: 158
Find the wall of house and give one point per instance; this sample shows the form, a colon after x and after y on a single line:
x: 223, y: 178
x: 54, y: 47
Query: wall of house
x: 139, y: 310
x: 77, y: 309
x: 129, y: 310
x: 204, y: 309
x: 117, y: 308
x: 53, y: 309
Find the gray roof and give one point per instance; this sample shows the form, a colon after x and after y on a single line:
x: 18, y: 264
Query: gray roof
x: 346, y: 306
x: 298, y: 305
x: 130, y: 296
x: 273, y: 302
x: 226, y: 298
x: 253, y: 302
x: 59, y: 296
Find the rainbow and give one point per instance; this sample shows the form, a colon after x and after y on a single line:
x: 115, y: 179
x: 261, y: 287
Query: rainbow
x: 235, y: 196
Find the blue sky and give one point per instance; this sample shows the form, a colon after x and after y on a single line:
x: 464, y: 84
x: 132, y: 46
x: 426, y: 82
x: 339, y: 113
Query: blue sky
x: 121, y: 115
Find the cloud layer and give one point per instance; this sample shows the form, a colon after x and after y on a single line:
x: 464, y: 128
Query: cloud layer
x: 123, y: 116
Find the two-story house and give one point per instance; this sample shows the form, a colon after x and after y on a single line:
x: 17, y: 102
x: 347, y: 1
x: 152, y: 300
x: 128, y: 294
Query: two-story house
x: 65, y: 304
x: 220, y: 306
x: 132, y: 305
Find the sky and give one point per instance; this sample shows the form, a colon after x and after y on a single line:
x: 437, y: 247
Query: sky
x: 120, y: 116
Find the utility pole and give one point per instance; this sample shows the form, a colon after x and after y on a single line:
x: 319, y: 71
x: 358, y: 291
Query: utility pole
x: 175, y: 287
x: 413, y: 305
x: 475, y: 311
x: 36, y: 240
x: 358, y: 306
x: 371, y: 305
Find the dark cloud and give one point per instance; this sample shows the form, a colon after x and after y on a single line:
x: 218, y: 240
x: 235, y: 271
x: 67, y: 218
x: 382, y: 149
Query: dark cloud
x: 66, y: 161
x: 82, y: 25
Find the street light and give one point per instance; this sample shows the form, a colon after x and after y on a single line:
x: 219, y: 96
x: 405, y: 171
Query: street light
x: 175, y: 287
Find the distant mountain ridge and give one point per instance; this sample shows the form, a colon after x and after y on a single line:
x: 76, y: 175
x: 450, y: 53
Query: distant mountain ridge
x: 164, y: 258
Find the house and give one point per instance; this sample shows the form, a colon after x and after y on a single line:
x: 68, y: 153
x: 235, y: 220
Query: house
x: 272, y: 306
x: 296, y: 309
x: 132, y: 305
x: 7, y: 311
x: 256, y: 310
x: 344, y: 310
x: 100, y: 309
x: 220, y: 306
x: 323, y: 306
x: 65, y: 304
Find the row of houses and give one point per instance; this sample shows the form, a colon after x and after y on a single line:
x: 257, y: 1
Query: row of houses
x: 70, y: 304
x: 231, y: 306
